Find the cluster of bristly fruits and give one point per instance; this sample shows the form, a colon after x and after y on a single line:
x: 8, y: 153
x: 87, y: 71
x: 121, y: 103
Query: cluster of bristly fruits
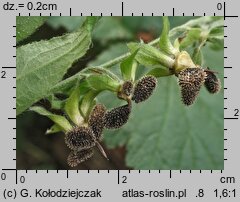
x: 82, y: 139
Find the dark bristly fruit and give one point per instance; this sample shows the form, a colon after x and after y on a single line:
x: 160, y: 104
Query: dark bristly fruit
x: 77, y: 157
x: 212, y: 83
x: 144, y: 88
x: 190, y: 82
x: 80, y: 138
x: 117, y: 117
x: 96, y: 120
x: 127, y: 88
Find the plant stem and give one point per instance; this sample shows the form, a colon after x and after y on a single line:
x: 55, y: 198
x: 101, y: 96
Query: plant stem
x: 81, y: 74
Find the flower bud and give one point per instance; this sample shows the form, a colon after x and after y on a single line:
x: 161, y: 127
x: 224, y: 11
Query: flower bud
x: 190, y: 82
x: 96, y: 120
x: 77, y: 157
x: 212, y: 83
x: 117, y: 117
x: 80, y: 138
x: 127, y: 88
x: 144, y: 88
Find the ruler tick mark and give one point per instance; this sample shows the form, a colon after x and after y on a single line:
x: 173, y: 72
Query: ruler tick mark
x: 118, y: 175
x: 122, y: 8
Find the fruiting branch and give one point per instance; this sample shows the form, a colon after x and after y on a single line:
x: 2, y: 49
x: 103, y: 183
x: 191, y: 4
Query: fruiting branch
x: 89, y: 118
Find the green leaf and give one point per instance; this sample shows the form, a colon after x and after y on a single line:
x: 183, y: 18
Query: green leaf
x: 159, y: 72
x: 41, y: 65
x: 61, y: 121
x: 216, y: 44
x: 88, y: 102
x: 172, y: 136
x: 197, y: 56
x: 92, y: 21
x: 66, y: 85
x: 72, y: 106
x: 103, y: 82
x: 70, y: 23
x: 205, y: 23
x: 129, y: 66
x: 216, y: 38
x: 149, y: 55
x: 54, y: 129
x: 217, y: 32
x: 55, y: 102
x: 25, y: 26
x: 164, y: 42
x: 192, y: 36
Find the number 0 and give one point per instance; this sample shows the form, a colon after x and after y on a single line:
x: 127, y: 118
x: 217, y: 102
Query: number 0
x: 22, y: 179
x: 219, y: 6
x: 3, y: 176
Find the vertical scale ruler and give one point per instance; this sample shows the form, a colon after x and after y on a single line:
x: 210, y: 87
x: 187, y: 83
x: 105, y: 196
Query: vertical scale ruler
x: 188, y: 185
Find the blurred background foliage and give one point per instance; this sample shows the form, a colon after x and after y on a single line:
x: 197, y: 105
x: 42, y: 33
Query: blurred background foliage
x: 161, y: 134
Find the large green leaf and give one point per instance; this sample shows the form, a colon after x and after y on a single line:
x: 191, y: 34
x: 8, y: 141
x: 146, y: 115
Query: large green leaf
x: 162, y: 133
x: 41, y: 65
x: 27, y: 25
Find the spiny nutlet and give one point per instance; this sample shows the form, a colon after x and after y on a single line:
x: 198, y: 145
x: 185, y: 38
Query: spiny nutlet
x: 96, y: 120
x: 212, y: 83
x: 80, y: 138
x: 144, y: 88
x: 117, y: 117
x: 190, y: 82
x: 77, y: 157
x: 127, y: 88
